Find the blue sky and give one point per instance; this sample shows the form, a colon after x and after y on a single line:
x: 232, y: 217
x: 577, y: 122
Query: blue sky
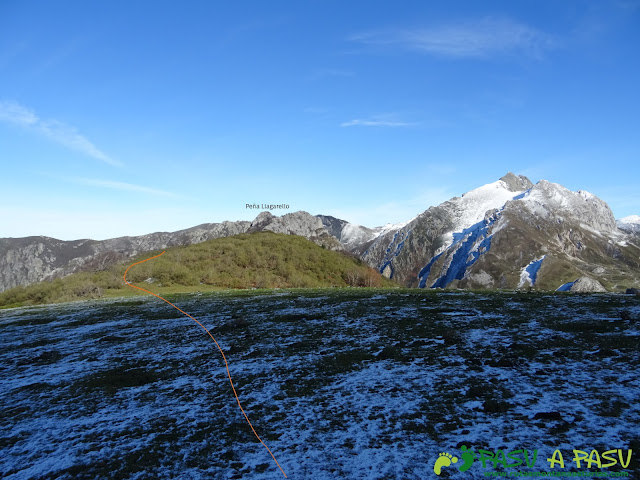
x: 124, y: 118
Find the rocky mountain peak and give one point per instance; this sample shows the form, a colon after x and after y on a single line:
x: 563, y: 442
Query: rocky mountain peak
x: 262, y: 220
x: 516, y: 183
x: 297, y: 223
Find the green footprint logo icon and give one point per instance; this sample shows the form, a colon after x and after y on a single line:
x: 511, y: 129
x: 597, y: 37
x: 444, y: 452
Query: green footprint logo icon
x: 468, y: 456
x: 444, y: 460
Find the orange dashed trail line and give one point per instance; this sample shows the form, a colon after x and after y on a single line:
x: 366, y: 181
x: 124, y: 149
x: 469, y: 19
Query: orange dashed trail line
x: 217, y: 345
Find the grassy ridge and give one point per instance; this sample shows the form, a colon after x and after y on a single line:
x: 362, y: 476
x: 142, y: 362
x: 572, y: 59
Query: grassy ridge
x: 257, y: 260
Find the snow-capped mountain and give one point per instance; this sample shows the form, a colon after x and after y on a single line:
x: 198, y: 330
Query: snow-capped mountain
x: 509, y: 234
x: 408, y: 252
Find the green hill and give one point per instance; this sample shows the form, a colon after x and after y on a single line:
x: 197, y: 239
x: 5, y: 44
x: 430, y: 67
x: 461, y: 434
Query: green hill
x: 256, y: 260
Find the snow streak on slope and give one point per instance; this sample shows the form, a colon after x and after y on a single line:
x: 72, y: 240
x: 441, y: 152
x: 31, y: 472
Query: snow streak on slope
x: 424, y: 273
x: 530, y: 272
x: 565, y: 287
x: 393, y: 249
x: 467, y: 248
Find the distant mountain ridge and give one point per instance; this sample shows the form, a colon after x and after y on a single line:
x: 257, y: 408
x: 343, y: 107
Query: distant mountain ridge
x: 32, y: 259
x: 506, y: 234
x: 258, y: 260
x: 629, y: 224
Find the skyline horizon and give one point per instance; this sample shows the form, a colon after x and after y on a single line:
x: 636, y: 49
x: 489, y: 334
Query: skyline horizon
x: 279, y: 210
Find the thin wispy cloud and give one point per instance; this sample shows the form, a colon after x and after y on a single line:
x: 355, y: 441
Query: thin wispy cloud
x: 14, y: 113
x: 61, y: 133
x: 130, y: 187
x: 483, y: 38
x: 375, y: 122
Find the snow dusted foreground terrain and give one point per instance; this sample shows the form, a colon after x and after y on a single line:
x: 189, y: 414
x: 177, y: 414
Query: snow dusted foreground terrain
x: 339, y: 384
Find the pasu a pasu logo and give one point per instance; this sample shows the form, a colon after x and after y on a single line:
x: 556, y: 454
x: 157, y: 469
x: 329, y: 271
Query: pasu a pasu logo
x: 527, y: 458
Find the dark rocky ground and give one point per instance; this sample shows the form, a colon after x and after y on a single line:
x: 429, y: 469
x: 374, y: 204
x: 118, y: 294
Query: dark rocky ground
x: 338, y: 383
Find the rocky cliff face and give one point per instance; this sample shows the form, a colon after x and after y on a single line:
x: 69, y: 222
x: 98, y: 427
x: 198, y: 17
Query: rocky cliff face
x: 299, y: 223
x: 32, y: 259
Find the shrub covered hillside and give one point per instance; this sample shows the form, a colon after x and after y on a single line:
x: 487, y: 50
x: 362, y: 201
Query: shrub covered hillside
x: 256, y: 260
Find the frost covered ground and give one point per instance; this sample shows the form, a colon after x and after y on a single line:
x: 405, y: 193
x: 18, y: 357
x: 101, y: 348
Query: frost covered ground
x: 339, y: 384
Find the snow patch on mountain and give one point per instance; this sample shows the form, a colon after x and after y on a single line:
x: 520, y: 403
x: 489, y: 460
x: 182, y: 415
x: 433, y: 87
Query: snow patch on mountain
x: 356, y: 234
x: 393, y: 250
x: 426, y: 270
x: 467, y: 247
x: 634, y: 219
x: 565, y: 287
x: 470, y: 209
x: 530, y: 272
x: 378, y: 231
x: 352, y: 235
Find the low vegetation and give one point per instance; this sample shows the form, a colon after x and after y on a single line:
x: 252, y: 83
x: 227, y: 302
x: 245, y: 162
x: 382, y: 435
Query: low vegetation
x: 257, y: 260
